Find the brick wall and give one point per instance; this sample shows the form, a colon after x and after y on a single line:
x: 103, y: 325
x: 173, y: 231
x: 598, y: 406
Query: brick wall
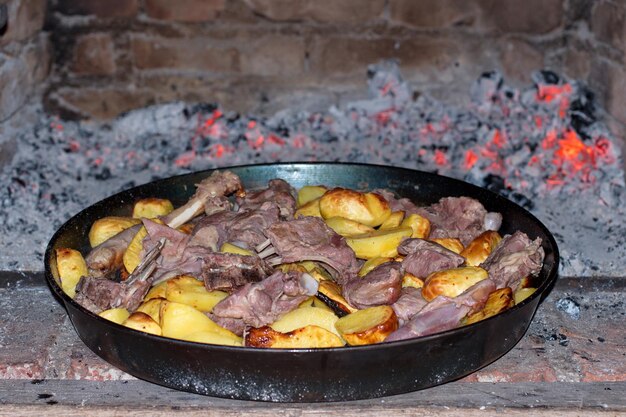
x: 263, y: 55
x: 24, y: 54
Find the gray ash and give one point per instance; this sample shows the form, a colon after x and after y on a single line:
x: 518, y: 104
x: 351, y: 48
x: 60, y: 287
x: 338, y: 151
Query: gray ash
x: 541, y: 147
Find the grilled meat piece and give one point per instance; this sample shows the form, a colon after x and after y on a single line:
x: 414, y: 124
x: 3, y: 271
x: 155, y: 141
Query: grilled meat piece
x: 444, y: 313
x: 423, y: 257
x: 310, y: 239
x: 229, y: 271
x: 278, y: 192
x: 107, y: 256
x: 261, y: 303
x: 460, y: 217
x: 409, y: 304
x: 380, y: 286
x: 513, y: 259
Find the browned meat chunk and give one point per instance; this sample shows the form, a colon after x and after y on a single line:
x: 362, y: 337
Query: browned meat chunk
x: 278, y: 192
x: 423, y: 257
x: 380, y: 286
x: 513, y: 259
x: 409, y: 304
x: 107, y: 256
x: 460, y: 217
x: 228, y: 271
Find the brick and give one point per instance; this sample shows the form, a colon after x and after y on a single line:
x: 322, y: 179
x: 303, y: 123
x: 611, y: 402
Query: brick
x: 183, y: 53
x: 94, y: 55
x: 274, y: 56
x: 433, y: 13
x: 97, y: 103
x: 100, y: 8
x: 344, y: 55
x: 608, y: 23
x: 25, y: 19
x: 609, y: 80
x: 519, y: 59
x: 184, y: 10
x: 514, y: 16
x: 577, y: 61
x: 328, y: 11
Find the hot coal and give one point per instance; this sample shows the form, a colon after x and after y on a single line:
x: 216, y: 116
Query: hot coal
x: 542, y: 146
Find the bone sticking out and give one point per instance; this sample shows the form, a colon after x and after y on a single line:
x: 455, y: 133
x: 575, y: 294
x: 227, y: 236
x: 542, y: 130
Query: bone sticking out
x: 275, y: 261
x: 267, y: 252
x: 262, y: 245
x: 184, y: 213
x: 309, y: 283
x: 492, y: 221
x: 147, y: 265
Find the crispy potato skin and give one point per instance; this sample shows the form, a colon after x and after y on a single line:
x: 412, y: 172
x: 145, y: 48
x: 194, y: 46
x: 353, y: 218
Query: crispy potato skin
x: 142, y: 322
x: 497, y: 302
x: 479, y: 249
x: 419, y: 224
x: 306, y: 337
x: 450, y: 243
x: 452, y: 282
x: 369, y: 209
x: 105, y: 228
x: 151, y: 208
x: 368, y: 326
x: 71, y: 266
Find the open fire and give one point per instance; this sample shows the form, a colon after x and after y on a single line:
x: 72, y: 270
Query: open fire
x: 541, y: 146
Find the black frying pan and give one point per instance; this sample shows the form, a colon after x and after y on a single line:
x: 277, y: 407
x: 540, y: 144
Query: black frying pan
x: 307, y: 375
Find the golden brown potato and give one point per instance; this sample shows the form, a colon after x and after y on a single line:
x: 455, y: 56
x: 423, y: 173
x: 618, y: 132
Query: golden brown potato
x: 394, y: 220
x: 369, y: 209
x: 312, y: 208
x: 180, y: 321
x: 368, y: 326
x: 131, y: 257
x: 230, y: 248
x: 306, y: 316
x: 378, y: 243
x: 522, y: 294
x: 105, y: 228
x: 347, y: 227
x: 372, y: 263
x: 116, y: 315
x: 213, y: 338
x: 186, y: 228
x: 498, y: 301
x: 71, y: 267
x: 151, y: 208
x: 310, y: 336
x: 152, y: 307
x: 330, y: 293
x: 410, y: 280
x: 187, y: 290
x: 142, y: 322
x: 479, y: 249
x: 158, y: 291
x: 310, y: 193
x: 420, y: 225
x: 452, y: 282
x: 450, y: 243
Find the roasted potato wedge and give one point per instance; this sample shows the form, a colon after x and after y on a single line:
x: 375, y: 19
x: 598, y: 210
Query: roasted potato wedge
x: 450, y: 243
x: 306, y: 316
x: 230, y: 248
x: 330, y: 293
x: 378, y: 243
x: 522, y: 294
x: 150, y: 208
x: 310, y: 193
x: 479, y: 249
x: 497, y: 302
x: 310, y: 336
x: 420, y: 225
x: 368, y: 326
x: 116, y: 315
x: 452, y: 282
x: 369, y: 209
x: 394, y: 220
x: 152, y: 308
x: 142, y: 322
x: 180, y: 321
x: 187, y: 290
x: 71, y: 266
x: 214, y: 338
x: 105, y: 228
x: 158, y: 291
x: 410, y: 280
x: 312, y: 208
x: 372, y: 263
x: 131, y: 257
x: 347, y: 227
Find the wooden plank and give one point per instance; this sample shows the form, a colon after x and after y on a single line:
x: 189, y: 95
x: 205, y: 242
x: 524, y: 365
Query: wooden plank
x: 138, y: 394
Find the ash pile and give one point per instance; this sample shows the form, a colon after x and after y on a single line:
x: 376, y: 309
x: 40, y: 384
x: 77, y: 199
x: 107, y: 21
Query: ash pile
x: 542, y: 146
